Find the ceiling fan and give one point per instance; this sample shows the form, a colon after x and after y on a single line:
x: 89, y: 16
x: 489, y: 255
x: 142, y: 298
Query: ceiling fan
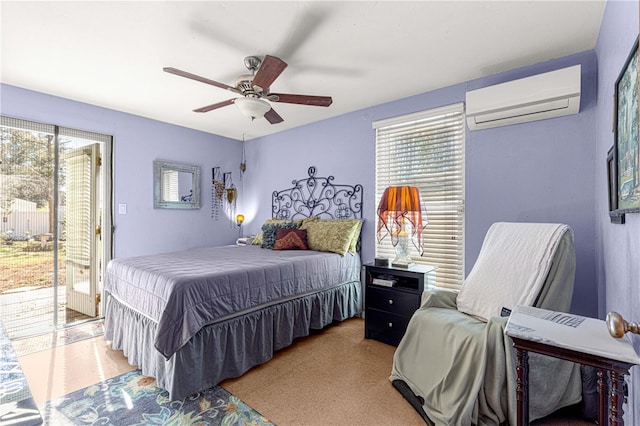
x: 254, y: 88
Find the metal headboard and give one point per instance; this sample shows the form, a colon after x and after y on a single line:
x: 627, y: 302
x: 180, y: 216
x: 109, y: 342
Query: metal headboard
x: 317, y: 196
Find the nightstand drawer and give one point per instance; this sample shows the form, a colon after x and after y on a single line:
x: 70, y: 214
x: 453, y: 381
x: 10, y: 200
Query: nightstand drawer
x: 389, y: 309
x: 394, y: 301
x: 385, y: 327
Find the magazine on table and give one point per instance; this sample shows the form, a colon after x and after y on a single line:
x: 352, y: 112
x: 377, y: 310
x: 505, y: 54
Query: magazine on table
x: 570, y: 331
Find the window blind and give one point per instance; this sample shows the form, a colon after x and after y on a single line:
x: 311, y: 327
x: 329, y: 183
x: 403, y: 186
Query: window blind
x: 170, y: 186
x: 426, y: 150
x: 79, y: 221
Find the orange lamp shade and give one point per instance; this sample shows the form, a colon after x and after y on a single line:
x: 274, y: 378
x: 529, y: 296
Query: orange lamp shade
x: 239, y: 219
x: 397, y: 205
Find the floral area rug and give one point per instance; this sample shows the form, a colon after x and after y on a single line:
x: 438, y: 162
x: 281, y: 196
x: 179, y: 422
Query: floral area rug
x: 134, y: 399
x: 60, y: 337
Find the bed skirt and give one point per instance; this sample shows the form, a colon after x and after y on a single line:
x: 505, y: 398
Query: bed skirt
x: 227, y: 348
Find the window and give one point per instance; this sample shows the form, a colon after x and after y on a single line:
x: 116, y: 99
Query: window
x: 426, y: 150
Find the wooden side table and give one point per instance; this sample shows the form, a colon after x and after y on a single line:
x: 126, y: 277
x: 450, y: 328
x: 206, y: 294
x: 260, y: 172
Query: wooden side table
x: 574, y: 338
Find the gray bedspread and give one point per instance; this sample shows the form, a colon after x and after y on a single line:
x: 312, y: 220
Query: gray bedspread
x: 184, y: 291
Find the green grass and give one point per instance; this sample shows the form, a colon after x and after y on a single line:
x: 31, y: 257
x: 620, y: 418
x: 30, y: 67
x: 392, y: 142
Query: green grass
x: 24, y: 263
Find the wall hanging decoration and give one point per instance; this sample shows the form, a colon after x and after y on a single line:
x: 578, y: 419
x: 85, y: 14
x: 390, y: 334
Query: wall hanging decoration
x: 231, y: 195
x: 217, y: 192
x: 243, y: 160
x: 626, y: 149
x: 224, y: 195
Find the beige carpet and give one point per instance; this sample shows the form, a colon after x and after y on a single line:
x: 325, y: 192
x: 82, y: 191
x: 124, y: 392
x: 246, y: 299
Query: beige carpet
x: 334, y: 377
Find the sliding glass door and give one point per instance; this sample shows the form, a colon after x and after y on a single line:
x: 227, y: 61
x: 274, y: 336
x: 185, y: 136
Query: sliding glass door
x: 54, y: 203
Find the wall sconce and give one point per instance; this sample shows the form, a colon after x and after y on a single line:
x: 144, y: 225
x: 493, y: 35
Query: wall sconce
x: 239, y: 219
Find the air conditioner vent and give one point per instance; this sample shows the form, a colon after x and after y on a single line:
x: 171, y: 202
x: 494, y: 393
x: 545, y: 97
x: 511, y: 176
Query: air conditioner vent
x: 548, y: 95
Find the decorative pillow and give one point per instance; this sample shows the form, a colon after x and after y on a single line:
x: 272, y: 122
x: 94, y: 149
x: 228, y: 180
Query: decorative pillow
x: 353, y: 245
x: 298, y: 222
x: 330, y: 235
x: 291, y: 239
x: 308, y: 220
x: 269, y: 232
x: 258, y: 238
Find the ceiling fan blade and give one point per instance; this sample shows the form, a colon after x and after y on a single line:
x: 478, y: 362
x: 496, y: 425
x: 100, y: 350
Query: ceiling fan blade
x: 269, y: 70
x: 273, y: 117
x: 200, y: 79
x: 310, y: 19
x: 323, y: 101
x: 215, y: 106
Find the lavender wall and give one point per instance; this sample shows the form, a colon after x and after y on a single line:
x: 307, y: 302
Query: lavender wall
x: 543, y: 171
x: 138, y: 142
x: 618, y: 246
x: 538, y: 172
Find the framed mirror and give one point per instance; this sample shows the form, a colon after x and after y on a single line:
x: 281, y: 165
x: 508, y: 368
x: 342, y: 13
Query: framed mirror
x: 176, y: 186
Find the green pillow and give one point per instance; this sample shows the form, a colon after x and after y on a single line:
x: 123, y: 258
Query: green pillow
x: 353, y: 245
x: 332, y: 235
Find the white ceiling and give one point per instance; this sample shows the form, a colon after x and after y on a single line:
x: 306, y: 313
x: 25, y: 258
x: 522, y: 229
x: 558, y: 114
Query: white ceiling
x: 361, y: 53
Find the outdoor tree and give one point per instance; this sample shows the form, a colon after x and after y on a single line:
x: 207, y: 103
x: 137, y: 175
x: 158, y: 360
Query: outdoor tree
x: 28, y: 167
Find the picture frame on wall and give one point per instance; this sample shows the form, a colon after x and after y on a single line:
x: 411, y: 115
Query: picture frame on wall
x: 626, y: 148
x: 612, y: 189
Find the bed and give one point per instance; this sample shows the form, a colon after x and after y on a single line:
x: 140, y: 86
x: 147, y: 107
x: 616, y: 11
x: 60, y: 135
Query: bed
x: 194, y: 318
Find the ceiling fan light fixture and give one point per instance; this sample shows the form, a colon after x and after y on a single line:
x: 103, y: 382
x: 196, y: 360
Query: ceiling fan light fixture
x: 252, y: 107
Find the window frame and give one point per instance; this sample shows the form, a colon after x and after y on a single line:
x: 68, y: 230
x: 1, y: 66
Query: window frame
x: 440, y: 134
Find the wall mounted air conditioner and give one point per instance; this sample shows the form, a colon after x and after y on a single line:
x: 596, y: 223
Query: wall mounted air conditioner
x: 548, y: 95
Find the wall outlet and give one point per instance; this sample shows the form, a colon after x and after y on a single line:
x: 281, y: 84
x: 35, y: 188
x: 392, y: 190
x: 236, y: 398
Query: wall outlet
x: 122, y: 208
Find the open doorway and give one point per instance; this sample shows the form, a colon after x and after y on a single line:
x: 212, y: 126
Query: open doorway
x: 55, y: 203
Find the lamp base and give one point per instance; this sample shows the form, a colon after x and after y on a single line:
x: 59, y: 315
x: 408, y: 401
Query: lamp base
x: 403, y: 259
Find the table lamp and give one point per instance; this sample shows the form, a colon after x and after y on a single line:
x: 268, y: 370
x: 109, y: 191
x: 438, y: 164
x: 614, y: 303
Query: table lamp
x: 398, y: 208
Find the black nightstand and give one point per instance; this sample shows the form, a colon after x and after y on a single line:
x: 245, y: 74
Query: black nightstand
x: 389, y: 307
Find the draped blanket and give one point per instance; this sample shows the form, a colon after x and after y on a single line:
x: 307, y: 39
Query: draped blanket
x: 184, y: 291
x: 464, y: 368
x: 511, y: 268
